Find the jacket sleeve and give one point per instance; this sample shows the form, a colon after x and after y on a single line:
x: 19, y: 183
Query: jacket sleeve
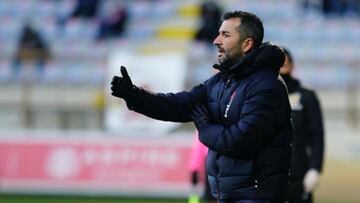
x: 315, y: 131
x: 173, y: 107
x: 261, y: 112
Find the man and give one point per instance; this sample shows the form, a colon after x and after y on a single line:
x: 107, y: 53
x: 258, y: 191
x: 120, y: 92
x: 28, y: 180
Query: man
x: 242, y: 114
x: 308, y: 140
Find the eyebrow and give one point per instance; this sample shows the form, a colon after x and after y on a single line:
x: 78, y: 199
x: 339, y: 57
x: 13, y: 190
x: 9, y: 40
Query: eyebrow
x: 224, y: 31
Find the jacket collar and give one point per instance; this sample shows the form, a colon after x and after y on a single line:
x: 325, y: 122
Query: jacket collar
x: 291, y: 83
x: 267, y: 56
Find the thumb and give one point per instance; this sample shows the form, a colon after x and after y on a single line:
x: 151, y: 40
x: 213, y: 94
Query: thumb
x: 124, y: 73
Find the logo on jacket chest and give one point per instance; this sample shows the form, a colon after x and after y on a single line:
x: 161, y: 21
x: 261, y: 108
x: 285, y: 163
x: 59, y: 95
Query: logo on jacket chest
x: 229, y: 104
x: 295, y: 101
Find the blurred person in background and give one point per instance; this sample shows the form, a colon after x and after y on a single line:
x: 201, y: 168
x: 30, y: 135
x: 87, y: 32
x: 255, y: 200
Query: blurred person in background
x: 242, y: 114
x: 210, y: 19
x: 84, y: 9
x: 114, y: 24
x: 31, y: 48
x: 336, y: 8
x: 341, y: 7
x: 308, y: 139
x: 197, y: 166
x: 209, y: 23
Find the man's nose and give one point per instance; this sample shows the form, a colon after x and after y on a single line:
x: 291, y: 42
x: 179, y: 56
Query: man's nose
x: 217, y: 40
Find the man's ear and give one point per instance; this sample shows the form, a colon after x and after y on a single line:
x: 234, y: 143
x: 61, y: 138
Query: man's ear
x: 247, y: 45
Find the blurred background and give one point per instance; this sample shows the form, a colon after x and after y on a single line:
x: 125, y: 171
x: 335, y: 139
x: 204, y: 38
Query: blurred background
x: 61, y: 133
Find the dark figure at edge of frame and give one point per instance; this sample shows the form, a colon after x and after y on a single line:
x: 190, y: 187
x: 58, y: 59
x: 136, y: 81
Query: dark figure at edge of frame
x: 308, y: 140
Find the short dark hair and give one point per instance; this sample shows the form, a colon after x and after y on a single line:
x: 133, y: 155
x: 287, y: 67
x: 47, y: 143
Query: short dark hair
x: 288, y: 54
x: 251, y: 26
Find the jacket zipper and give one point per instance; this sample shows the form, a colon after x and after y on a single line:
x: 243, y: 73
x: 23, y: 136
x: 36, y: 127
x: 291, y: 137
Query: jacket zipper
x: 227, y: 85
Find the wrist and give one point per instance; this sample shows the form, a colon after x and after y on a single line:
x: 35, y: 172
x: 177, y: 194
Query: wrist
x: 131, y: 97
x: 202, y: 126
x: 313, y: 170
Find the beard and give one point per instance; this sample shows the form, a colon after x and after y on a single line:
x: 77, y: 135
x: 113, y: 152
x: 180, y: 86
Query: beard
x: 229, y: 59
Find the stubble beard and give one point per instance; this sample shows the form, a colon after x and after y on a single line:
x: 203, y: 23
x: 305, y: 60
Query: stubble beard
x: 228, y: 59
x: 223, y: 60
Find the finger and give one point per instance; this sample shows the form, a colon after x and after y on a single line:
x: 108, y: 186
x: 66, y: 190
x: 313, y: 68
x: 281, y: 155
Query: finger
x: 307, y: 188
x: 200, y: 109
x: 124, y: 73
x: 196, y: 112
x: 306, y: 185
x: 203, y: 108
x: 115, y: 80
x: 195, y: 109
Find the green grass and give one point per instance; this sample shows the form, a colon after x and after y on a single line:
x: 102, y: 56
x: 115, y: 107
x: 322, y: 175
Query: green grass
x: 63, y: 199
x: 68, y: 199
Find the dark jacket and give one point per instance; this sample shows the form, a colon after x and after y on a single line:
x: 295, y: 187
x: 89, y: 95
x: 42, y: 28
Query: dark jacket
x: 250, y: 130
x: 308, y: 140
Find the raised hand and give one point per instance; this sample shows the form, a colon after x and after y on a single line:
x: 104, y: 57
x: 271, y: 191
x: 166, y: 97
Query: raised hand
x: 122, y: 87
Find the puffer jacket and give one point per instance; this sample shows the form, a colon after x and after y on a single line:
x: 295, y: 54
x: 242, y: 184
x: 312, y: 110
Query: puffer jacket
x: 250, y: 128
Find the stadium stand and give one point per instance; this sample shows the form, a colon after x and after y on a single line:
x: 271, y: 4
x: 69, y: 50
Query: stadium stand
x: 326, y: 49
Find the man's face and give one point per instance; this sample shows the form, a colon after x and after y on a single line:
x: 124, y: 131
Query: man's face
x: 229, y: 41
x: 287, y: 67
